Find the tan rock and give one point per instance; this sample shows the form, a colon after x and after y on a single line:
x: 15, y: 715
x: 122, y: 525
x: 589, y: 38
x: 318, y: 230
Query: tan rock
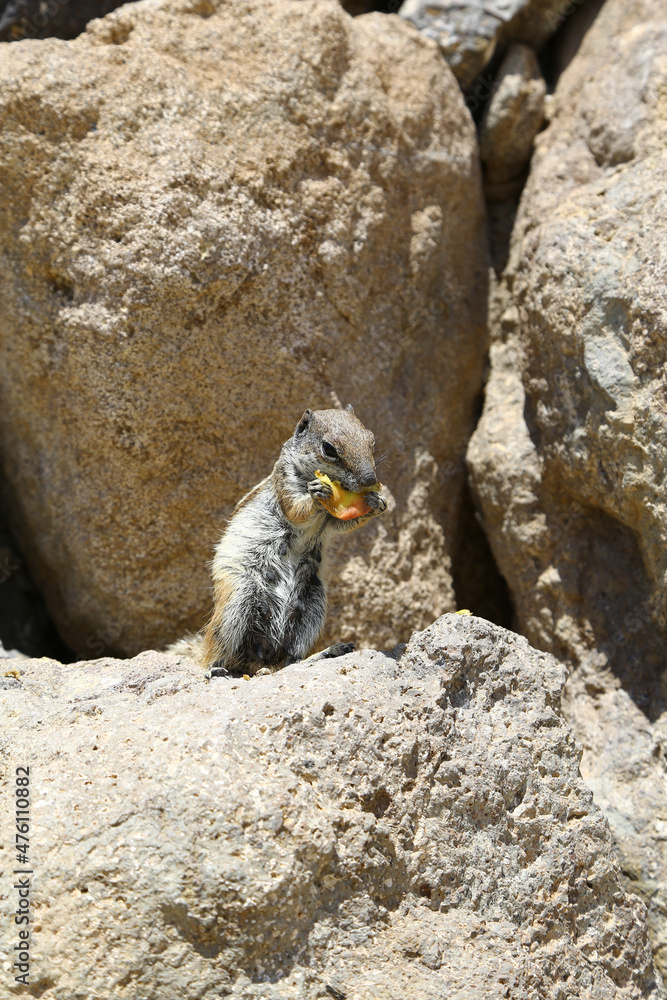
x: 568, y: 461
x: 215, y: 215
x: 391, y: 827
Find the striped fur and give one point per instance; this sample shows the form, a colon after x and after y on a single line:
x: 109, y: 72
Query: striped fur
x: 269, y: 569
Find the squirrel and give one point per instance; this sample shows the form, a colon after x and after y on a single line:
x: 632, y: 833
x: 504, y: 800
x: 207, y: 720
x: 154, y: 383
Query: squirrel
x: 269, y: 568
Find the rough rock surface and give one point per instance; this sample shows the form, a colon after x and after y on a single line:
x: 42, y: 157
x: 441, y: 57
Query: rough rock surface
x: 568, y: 462
x: 624, y: 765
x: 469, y: 32
x: 213, y: 216
x: 511, y: 121
x: 391, y: 826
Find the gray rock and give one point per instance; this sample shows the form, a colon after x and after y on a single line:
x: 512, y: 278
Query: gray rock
x: 511, y: 121
x: 469, y: 31
x: 11, y: 654
x: 624, y: 764
x: 390, y: 826
x: 568, y: 460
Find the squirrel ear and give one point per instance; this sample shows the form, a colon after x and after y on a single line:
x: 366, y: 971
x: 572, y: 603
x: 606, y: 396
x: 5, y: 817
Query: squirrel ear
x: 303, y: 423
x: 350, y: 408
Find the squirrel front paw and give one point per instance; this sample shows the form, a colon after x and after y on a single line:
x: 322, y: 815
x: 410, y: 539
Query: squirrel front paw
x: 320, y: 490
x: 376, y: 501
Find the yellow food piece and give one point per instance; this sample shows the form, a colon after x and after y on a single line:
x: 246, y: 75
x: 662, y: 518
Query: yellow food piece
x: 344, y: 504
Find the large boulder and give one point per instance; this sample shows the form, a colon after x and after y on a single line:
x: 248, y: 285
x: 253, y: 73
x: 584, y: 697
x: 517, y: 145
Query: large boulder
x: 214, y: 215
x: 389, y: 826
x: 568, y: 460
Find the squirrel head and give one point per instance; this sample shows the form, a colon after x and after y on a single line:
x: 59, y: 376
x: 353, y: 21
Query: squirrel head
x: 336, y: 443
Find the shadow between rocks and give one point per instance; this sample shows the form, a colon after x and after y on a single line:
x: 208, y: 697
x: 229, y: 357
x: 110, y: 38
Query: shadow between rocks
x: 478, y: 583
x: 25, y: 623
x: 56, y: 19
x: 600, y: 560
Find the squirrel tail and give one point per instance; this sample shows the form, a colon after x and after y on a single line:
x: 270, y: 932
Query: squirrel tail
x: 191, y: 645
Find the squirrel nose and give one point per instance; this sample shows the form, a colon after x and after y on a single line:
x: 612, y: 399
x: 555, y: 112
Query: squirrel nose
x: 367, y: 476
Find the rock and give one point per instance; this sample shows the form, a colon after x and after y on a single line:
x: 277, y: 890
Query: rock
x: 11, y: 654
x: 567, y: 462
x: 564, y: 45
x: 511, y: 121
x: 55, y: 18
x: 624, y: 765
x: 389, y: 826
x: 470, y: 32
x: 215, y: 215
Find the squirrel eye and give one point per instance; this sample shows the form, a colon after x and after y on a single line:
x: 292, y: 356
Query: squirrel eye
x: 329, y: 450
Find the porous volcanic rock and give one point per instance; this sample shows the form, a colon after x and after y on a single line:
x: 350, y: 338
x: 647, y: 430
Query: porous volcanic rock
x: 213, y: 216
x: 469, y: 32
x: 568, y: 462
x: 390, y: 826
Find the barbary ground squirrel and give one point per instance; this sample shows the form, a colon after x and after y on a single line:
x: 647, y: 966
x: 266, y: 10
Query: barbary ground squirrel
x: 269, y: 569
